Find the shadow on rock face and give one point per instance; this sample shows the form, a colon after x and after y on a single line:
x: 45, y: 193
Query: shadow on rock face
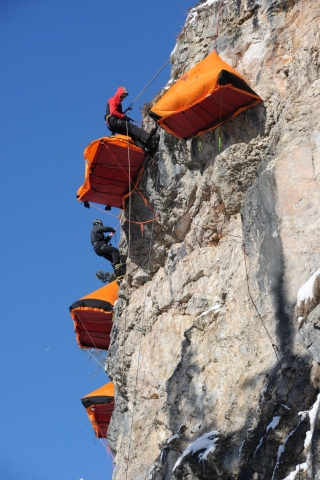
x: 264, y: 246
x: 270, y: 443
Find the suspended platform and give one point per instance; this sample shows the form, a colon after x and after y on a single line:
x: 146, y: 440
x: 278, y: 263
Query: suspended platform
x: 99, y: 405
x: 92, y: 317
x: 206, y: 96
x: 108, y: 177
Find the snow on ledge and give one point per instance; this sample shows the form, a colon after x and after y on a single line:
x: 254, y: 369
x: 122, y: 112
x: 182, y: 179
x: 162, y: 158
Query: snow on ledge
x: 306, y: 292
x: 193, y: 13
x: 273, y: 424
x: 312, y: 416
x: 312, y: 413
x: 170, y: 439
x: 207, y: 443
x: 303, y: 467
x: 208, y: 3
x: 215, y: 308
x: 282, y: 447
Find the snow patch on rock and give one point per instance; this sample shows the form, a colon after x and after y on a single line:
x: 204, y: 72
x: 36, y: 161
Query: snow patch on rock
x: 312, y: 416
x: 306, y: 292
x: 282, y: 448
x: 215, y: 309
x: 303, y: 467
x: 193, y: 13
x: 170, y: 439
x: 207, y: 443
x: 273, y: 424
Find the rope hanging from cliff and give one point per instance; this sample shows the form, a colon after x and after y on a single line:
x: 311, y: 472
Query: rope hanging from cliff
x: 141, y: 331
x: 222, y: 3
x: 130, y: 190
x: 85, y: 348
x: 126, y: 174
x: 145, y: 88
x: 127, y: 289
x: 275, y: 348
x: 128, y: 256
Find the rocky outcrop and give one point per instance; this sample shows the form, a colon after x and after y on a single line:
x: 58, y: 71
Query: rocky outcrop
x: 213, y: 378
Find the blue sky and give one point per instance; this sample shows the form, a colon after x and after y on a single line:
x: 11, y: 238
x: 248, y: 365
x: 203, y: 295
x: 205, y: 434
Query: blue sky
x: 60, y: 62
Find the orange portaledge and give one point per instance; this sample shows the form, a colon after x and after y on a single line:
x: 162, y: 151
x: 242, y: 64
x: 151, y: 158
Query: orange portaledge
x: 204, y: 97
x: 99, y: 406
x: 112, y: 166
x: 92, y: 317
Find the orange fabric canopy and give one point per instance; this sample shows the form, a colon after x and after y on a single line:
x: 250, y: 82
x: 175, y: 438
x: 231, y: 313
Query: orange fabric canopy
x: 207, y: 95
x: 107, y: 293
x: 92, y: 317
x: 107, y: 170
x: 99, y: 406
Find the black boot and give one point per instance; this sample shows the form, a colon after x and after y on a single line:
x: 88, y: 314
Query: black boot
x: 119, y: 269
x: 153, y: 143
x: 154, y: 130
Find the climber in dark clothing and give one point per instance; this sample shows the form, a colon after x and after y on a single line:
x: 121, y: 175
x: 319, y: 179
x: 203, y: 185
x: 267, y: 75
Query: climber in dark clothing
x: 102, y: 248
x: 118, y: 122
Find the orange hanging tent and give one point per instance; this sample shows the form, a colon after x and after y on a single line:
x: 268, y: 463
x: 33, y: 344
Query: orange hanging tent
x: 107, y: 172
x: 99, y: 406
x: 207, y: 95
x: 92, y: 317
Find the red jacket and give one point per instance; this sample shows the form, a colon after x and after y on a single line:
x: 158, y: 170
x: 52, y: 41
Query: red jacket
x: 114, y: 103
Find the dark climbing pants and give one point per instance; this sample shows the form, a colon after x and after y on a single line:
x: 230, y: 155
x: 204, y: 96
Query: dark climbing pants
x: 139, y: 136
x: 109, y: 253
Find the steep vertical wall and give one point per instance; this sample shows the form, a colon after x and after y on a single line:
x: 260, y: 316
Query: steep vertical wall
x: 214, y: 348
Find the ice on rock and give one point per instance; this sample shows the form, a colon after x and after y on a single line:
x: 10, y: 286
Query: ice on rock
x: 207, y: 443
x: 273, y: 424
x: 306, y: 292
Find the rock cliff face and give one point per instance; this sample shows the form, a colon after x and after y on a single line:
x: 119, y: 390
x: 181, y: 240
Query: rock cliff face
x: 216, y: 341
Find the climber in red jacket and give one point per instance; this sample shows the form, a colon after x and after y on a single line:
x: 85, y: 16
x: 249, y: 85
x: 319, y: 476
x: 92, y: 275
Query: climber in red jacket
x: 118, y: 122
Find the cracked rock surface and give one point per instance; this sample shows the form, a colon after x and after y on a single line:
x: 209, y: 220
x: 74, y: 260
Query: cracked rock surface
x: 215, y: 377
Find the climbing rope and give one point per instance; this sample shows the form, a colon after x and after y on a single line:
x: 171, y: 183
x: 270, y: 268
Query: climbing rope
x: 141, y: 332
x: 94, y: 358
x: 121, y: 167
x: 128, y: 256
x: 106, y: 445
x: 222, y: 3
x: 275, y: 348
x: 141, y: 223
x: 219, y: 128
x: 126, y: 311
x: 85, y: 348
x: 145, y: 88
x: 104, y: 211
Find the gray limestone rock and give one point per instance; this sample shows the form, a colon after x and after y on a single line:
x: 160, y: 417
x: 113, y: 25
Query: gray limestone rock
x: 205, y: 336
x: 309, y: 334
